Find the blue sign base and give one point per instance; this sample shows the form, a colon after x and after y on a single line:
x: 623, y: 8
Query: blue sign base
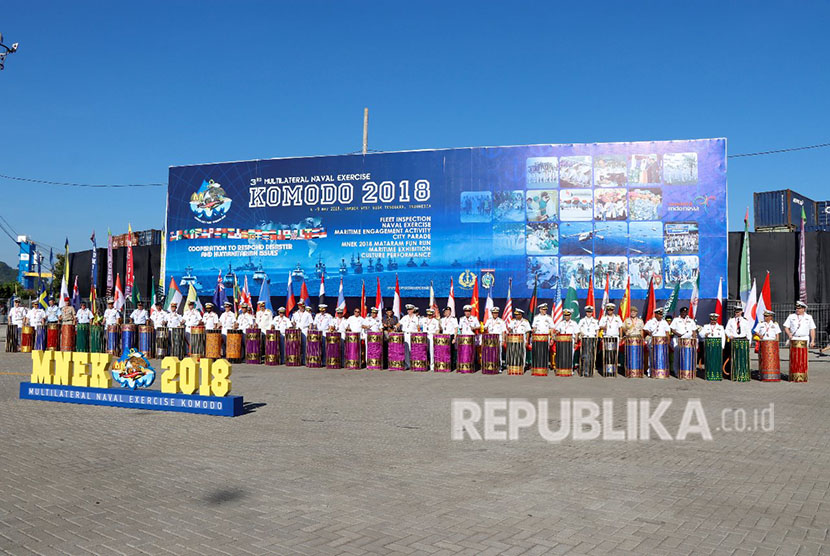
x: 227, y: 406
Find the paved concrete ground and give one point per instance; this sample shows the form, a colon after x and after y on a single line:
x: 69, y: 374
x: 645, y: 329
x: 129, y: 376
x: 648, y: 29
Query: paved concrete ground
x: 355, y: 462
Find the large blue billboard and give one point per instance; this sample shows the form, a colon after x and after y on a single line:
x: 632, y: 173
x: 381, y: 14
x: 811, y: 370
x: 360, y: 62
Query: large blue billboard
x: 544, y: 214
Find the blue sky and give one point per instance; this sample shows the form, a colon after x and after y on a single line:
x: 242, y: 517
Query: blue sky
x: 112, y: 93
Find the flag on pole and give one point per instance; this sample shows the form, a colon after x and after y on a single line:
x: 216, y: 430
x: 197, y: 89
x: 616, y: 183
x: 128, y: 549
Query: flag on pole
x: 246, y: 293
x: 606, y: 295
x: 396, y: 301
x: 93, y: 271
x: 488, y: 306
x: 557, y: 302
x: 321, y: 295
x: 152, y: 294
x: 451, y: 299
x: 379, y: 299
x: 571, y: 301
x: 110, y: 283
x: 43, y: 296
x: 591, y: 299
x: 751, y: 304
x: 130, y: 268
x: 671, y: 303
x: 744, y: 282
x: 432, y: 303
x: 174, y: 295
x: 119, y: 294
x: 508, y: 305
x: 76, y: 295
x: 341, y: 299
x: 304, y: 297
x: 719, y: 301
x: 802, y: 264
x: 219, y: 295
x: 474, y: 298
x: 289, y: 297
x: 65, y: 279
x: 135, y: 296
x: 237, y: 293
x: 648, y: 310
x: 363, y: 298
x: 265, y: 294
x: 531, y: 306
x: 625, y: 305
x: 764, y: 300
x: 693, y: 301
x: 192, y: 297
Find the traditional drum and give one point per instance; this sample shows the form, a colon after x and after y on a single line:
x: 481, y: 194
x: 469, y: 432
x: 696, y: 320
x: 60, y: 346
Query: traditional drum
x: 233, y: 346
x: 67, y: 337
x: 374, y: 350
x: 11, y: 337
x: 272, y: 347
x: 686, y: 358
x: 293, y: 347
x: 352, y: 355
x: 739, y: 360
x: 146, y: 335
x: 769, y: 365
x: 314, y: 349
x: 713, y: 358
x: 82, y: 337
x: 588, y: 356
x: 178, y: 347
x: 162, y: 342
x: 442, y: 353
x: 397, y: 352
x: 40, y: 338
x: 127, y: 337
x: 564, y: 355
x: 540, y: 354
x: 515, y: 354
x: 27, y: 339
x: 490, y: 354
x: 253, y: 345
x: 97, y: 344
x: 466, y: 353
x: 610, y: 355
x: 213, y: 344
x: 419, y: 352
x: 634, y: 357
x: 113, y: 346
x: 53, y: 334
x: 798, y: 361
x: 333, y: 359
x: 659, y: 357
x: 196, y: 349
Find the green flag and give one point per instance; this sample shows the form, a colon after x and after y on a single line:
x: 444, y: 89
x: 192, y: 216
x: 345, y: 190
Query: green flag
x: 744, y: 282
x: 571, y: 301
x: 136, y: 296
x: 153, y: 291
x: 533, y: 300
x: 671, y: 303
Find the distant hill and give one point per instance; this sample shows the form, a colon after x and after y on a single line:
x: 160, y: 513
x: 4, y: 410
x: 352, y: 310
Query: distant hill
x: 7, y: 273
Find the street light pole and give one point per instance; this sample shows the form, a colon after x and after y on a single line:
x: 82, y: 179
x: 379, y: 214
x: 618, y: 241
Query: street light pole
x: 5, y: 51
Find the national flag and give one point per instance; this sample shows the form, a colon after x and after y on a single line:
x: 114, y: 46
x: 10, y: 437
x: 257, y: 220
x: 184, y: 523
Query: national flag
x: 119, y: 294
x: 488, y: 306
x: 606, y: 296
x: 625, y: 305
x: 531, y: 306
x: 591, y: 299
x: 671, y: 303
x: 130, y: 268
x: 571, y: 301
x: 110, y: 278
x: 379, y: 299
x: 341, y: 299
x: 508, y: 304
x: 321, y: 295
x: 304, y: 297
x: 65, y: 280
x: 802, y: 264
x: 362, y: 298
x: 289, y: 297
x: 451, y: 299
x: 432, y: 303
x: 751, y: 304
x: 694, y: 300
x: 64, y: 293
x: 219, y: 295
x: 76, y: 295
x: 764, y: 300
x: 396, y: 301
x: 474, y: 298
x: 93, y: 272
x: 152, y: 293
x: 650, y: 304
x: 265, y: 294
x: 237, y: 294
x: 246, y: 293
x: 719, y: 301
x: 744, y: 282
x: 194, y: 298
x: 135, y: 297
x: 163, y: 256
x: 43, y: 297
x: 557, y: 302
x: 174, y: 295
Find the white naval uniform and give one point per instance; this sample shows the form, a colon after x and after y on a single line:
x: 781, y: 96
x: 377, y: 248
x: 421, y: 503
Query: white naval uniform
x: 800, y: 326
x: 211, y: 320
x: 139, y: 316
x: 111, y: 317
x: 611, y: 325
x: 84, y: 316
x: 431, y: 326
x: 227, y: 320
x: 264, y: 318
x: 738, y: 327
x: 767, y: 330
x: 714, y: 331
x: 409, y: 324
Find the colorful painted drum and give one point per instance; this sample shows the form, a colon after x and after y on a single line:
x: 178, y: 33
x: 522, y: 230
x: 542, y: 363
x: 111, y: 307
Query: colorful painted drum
x: 272, y: 347
x: 40, y: 338
x: 564, y: 355
x: 659, y: 357
x: 293, y: 347
x: 146, y: 335
x: 352, y: 350
x: 442, y: 353
x: 97, y: 344
x: 374, y: 351
x: 234, y: 348
x: 490, y: 354
x: 128, y: 332
x: 113, y: 346
x: 253, y: 343
x: 516, y: 353
x: 740, y: 360
x: 634, y: 367
x: 687, y: 358
x: 769, y: 365
x: 588, y: 356
x: 213, y: 344
x: 540, y: 354
x: 178, y: 345
x: 82, y: 337
x: 798, y: 361
x: 397, y: 352
x: 333, y: 359
x: 466, y: 353
x: 419, y: 352
x: 27, y: 339
x: 162, y: 342
x: 53, y: 334
x: 11, y: 338
x: 67, y: 337
x: 610, y: 355
x: 713, y: 358
x: 314, y: 349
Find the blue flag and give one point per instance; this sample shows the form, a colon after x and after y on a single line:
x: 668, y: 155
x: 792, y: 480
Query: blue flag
x: 219, y: 296
x: 43, y: 297
x: 265, y: 294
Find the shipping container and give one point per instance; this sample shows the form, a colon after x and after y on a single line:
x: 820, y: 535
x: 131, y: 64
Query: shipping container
x: 819, y: 228
x: 782, y: 209
x: 823, y: 213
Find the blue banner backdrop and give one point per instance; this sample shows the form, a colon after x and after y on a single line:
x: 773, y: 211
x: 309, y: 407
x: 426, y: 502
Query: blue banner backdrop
x: 546, y: 214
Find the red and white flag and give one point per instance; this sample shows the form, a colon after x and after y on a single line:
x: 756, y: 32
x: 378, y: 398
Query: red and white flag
x: 764, y: 300
x: 432, y: 303
x: 451, y: 299
x: 508, y: 305
x: 719, y: 301
x: 119, y: 294
x: 693, y: 301
x: 751, y: 304
x: 321, y: 296
x: 363, y: 299
x: 246, y: 294
x: 304, y: 294
x: 557, y: 303
x: 289, y: 296
x: 606, y: 297
x: 396, y: 302
x: 379, y: 299
x: 488, y: 306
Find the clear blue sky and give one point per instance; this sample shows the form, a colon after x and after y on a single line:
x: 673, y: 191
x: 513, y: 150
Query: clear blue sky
x: 117, y: 92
